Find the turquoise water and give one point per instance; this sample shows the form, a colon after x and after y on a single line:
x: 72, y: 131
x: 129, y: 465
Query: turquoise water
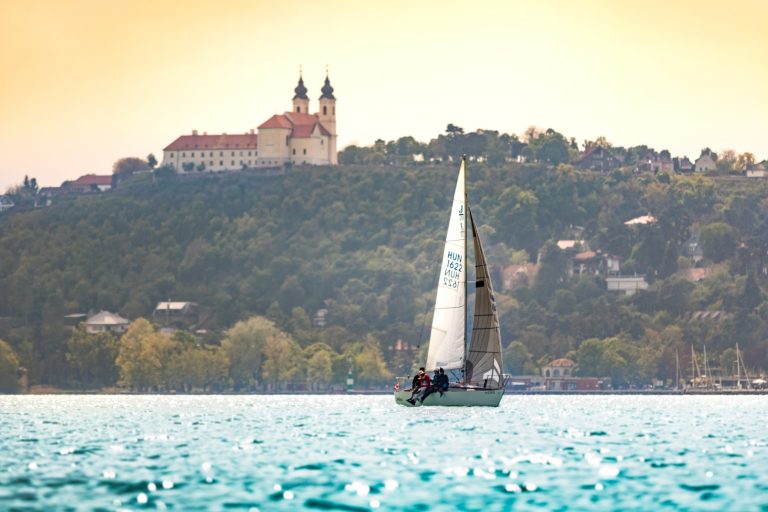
x: 364, y: 453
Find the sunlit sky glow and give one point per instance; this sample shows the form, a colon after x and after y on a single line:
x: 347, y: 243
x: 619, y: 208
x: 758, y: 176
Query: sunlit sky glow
x: 84, y: 83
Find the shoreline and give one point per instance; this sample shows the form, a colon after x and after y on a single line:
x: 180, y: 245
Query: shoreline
x: 606, y: 392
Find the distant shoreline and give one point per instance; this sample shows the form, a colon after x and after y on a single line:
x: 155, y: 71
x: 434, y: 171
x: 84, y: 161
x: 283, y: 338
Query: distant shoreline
x: 606, y: 392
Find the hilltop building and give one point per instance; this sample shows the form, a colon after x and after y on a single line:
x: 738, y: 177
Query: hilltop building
x: 295, y: 137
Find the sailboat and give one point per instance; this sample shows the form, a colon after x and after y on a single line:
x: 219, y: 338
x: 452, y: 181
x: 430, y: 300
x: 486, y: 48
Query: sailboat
x: 476, y: 368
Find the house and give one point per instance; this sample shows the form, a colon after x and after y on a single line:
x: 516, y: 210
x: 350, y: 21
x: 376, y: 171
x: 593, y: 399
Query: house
x: 178, y: 315
x: 628, y: 285
x: 692, y: 248
x: 594, y: 263
x: 705, y: 163
x: 6, y: 204
x: 518, y: 275
x: 696, y: 275
x: 104, y: 321
x: 758, y: 171
x: 559, y: 376
x: 682, y: 164
x: 87, y: 184
x: 598, y: 158
x: 295, y: 137
x: 642, y: 220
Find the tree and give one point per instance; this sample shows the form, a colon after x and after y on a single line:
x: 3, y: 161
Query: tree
x: 151, y: 161
x: 718, y: 241
x: 127, y: 166
x: 244, y: 344
x: 370, y: 367
x: 283, y: 360
x: 9, y: 369
x: 518, y: 359
x: 320, y: 369
x: 91, y: 359
x: 144, y: 356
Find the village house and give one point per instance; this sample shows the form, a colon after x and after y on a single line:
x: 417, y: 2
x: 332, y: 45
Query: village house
x: 296, y: 137
x: 594, y: 263
x: 705, y: 163
x: 757, y: 171
x: 559, y: 376
x: 6, y: 203
x: 176, y: 315
x: 87, y: 184
x: 518, y: 275
x: 682, y: 164
x: 104, y: 321
x: 598, y: 158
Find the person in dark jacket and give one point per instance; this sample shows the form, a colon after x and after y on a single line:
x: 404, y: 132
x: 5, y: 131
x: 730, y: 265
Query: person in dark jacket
x: 416, y: 384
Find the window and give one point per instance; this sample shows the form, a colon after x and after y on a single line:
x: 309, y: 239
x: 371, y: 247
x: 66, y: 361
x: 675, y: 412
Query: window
x: 211, y: 153
x: 322, y: 142
x: 546, y: 374
x: 304, y: 151
x: 221, y: 163
x: 294, y: 151
x: 233, y: 153
x: 556, y: 373
x: 286, y: 140
x: 183, y: 154
x: 325, y: 110
x: 249, y: 153
x: 241, y: 153
x: 221, y: 153
x: 192, y: 154
x: 233, y: 162
x: 210, y: 163
x: 298, y: 108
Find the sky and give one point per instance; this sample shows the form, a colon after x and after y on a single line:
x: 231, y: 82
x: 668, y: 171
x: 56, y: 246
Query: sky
x: 86, y: 82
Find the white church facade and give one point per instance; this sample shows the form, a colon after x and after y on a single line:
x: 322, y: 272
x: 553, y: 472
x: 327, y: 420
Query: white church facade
x: 296, y: 137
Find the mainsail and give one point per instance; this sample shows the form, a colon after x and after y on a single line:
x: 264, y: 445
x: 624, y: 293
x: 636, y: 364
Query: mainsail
x: 448, y: 338
x: 484, y: 356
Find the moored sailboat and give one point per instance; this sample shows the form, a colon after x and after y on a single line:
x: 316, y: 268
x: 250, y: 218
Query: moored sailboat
x: 477, y: 366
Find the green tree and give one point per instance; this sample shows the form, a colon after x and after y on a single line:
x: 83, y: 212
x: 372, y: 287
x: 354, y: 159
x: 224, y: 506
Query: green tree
x: 91, y: 359
x: 9, y: 369
x: 718, y: 241
x: 370, y: 367
x: 144, y: 356
x: 151, y: 161
x: 320, y: 369
x: 244, y: 344
x: 518, y: 360
x: 283, y: 360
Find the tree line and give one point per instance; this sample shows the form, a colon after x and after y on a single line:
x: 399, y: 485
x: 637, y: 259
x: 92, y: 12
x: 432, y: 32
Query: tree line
x: 363, y: 242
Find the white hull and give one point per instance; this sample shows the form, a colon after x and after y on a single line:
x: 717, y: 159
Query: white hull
x: 456, y: 398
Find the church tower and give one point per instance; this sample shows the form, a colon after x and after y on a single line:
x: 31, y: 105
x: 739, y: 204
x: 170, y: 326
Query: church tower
x: 301, y: 100
x: 327, y: 116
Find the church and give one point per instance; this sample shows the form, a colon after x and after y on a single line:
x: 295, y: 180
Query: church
x: 296, y: 137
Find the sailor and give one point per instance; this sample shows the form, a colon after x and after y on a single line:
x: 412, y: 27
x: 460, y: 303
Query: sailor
x: 430, y: 389
x: 442, y: 382
x: 416, y: 384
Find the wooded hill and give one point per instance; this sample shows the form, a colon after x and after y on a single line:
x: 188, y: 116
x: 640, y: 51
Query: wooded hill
x: 364, y: 242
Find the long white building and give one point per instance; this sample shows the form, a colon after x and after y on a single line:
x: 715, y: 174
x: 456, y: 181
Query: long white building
x: 295, y: 137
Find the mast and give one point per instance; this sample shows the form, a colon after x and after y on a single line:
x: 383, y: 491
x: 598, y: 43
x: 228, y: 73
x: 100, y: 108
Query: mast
x: 677, y: 370
x: 738, y: 370
x: 466, y: 258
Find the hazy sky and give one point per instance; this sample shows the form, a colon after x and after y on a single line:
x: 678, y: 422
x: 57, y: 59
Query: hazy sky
x: 83, y: 83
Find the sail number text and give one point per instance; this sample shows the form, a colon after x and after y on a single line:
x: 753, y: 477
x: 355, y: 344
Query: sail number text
x: 452, y: 270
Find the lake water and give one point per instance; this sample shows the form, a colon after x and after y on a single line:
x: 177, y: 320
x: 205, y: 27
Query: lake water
x: 354, y: 453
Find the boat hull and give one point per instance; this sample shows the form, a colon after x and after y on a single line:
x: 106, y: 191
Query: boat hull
x: 455, y: 398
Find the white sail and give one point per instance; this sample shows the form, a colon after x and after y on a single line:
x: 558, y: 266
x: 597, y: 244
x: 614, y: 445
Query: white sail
x: 447, y: 339
x: 484, y: 364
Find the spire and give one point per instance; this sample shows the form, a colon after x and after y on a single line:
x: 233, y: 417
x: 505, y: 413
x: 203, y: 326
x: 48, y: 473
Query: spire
x: 300, y: 90
x: 327, y: 90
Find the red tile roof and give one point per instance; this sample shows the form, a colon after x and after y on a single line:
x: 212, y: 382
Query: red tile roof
x: 562, y: 362
x: 301, y: 125
x: 223, y: 141
x: 277, y: 121
x: 92, y: 179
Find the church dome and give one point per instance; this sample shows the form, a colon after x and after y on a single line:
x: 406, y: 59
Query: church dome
x: 300, y: 90
x: 327, y: 90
